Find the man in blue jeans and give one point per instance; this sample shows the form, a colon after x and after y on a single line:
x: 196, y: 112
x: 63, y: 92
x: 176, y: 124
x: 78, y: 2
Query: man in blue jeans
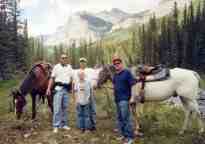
x: 123, y: 82
x: 61, y: 78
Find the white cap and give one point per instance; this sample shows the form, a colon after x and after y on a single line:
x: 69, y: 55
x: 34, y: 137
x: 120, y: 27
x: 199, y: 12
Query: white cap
x: 82, y: 59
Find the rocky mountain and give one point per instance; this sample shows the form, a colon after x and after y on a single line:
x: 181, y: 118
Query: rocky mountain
x: 84, y: 25
x: 80, y: 26
x: 164, y: 7
x: 114, y: 16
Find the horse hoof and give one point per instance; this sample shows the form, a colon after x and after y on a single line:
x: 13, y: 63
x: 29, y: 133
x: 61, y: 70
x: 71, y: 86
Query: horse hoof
x: 34, y: 120
x: 201, y: 130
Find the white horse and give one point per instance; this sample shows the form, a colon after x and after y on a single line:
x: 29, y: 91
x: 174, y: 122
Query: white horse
x: 183, y: 82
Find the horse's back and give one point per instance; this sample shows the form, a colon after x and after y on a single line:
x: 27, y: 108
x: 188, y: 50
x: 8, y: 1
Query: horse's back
x: 186, y: 81
x: 181, y: 81
x: 181, y: 75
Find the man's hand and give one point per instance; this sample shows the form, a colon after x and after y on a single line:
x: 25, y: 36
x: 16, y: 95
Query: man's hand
x: 50, y: 84
x: 48, y: 92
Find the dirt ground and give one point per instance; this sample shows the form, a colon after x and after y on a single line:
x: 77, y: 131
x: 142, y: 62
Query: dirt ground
x: 39, y: 131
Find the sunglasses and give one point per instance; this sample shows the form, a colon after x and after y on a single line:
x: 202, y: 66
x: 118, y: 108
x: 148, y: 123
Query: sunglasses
x: 64, y: 57
x: 117, y: 63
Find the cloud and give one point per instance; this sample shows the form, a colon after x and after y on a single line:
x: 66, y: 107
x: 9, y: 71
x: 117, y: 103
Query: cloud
x: 96, y: 5
x: 28, y: 3
x: 46, y: 15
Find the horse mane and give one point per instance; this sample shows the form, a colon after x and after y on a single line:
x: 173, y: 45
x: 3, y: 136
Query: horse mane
x: 27, y: 85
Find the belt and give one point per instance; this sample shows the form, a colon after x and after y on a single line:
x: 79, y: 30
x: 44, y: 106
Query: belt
x: 64, y: 85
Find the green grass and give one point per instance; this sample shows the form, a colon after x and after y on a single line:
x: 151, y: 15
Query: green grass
x: 5, y: 88
x: 160, y: 124
x: 202, y: 82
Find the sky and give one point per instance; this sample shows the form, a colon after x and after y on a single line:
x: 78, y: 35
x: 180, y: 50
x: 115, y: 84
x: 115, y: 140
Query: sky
x: 44, y: 16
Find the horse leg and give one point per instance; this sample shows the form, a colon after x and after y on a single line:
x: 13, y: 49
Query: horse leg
x: 137, y: 123
x: 200, y: 123
x: 43, y: 99
x: 135, y: 100
x: 33, y: 96
x: 191, y: 106
x: 187, y: 110
x: 135, y: 114
x: 135, y: 93
x: 50, y: 102
x: 197, y: 115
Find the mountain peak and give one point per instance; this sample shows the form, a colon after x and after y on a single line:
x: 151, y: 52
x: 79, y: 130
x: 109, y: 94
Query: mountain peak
x: 117, y: 10
x: 86, y: 25
x: 114, y: 15
x: 84, y: 12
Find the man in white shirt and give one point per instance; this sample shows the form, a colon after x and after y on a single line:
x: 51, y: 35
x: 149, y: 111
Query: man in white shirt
x: 61, y: 79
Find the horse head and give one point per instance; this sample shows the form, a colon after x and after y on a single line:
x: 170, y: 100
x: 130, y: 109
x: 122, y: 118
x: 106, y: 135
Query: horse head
x: 19, y: 102
x: 105, y: 74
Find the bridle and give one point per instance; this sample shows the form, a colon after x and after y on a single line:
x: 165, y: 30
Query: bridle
x: 108, y: 68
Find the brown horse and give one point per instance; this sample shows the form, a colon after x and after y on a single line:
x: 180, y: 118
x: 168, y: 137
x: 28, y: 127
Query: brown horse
x: 35, y: 83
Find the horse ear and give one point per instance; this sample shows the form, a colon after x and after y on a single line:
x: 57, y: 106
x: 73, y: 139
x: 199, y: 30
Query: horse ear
x: 14, y: 91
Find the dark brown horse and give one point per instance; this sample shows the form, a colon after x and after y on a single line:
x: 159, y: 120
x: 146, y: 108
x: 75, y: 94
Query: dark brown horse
x: 35, y: 83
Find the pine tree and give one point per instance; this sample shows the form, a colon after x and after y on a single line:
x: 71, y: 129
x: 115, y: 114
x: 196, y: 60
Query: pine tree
x: 163, y: 41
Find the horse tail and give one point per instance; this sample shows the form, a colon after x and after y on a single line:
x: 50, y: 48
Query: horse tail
x: 199, y: 79
x: 197, y: 76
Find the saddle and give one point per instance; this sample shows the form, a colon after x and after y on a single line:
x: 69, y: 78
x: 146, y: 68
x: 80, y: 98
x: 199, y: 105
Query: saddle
x: 151, y: 74
x: 45, y: 67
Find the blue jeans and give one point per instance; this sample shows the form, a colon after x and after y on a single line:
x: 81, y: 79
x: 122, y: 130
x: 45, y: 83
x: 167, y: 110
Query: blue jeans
x: 83, y: 116
x: 60, y: 105
x: 124, y: 119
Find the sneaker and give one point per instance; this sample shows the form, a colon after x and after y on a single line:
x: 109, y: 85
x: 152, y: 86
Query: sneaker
x: 82, y: 130
x: 93, y: 129
x: 128, y: 141
x: 120, y: 138
x: 115, y: 130
x: 66, y: 128
x: 87, y: 132
x: 138, y: 134
x: 55, y: 130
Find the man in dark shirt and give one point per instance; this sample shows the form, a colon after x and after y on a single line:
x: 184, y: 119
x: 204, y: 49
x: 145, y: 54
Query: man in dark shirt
x: 123, y: 81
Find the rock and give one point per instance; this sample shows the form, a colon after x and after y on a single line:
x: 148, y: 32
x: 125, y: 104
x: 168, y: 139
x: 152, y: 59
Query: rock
x: 94, y: 140
x: 68, y: 136
x: 27, y: 135
x: 35, y: 133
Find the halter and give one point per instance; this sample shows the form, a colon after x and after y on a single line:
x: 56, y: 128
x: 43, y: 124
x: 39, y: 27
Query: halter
x: 109, y: 71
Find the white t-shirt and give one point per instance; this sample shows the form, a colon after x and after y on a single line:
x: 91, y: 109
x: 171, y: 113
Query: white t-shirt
x: 62, y: 74
x: 83, y: 92
x: 76, y: 72
x: 90, y: 75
